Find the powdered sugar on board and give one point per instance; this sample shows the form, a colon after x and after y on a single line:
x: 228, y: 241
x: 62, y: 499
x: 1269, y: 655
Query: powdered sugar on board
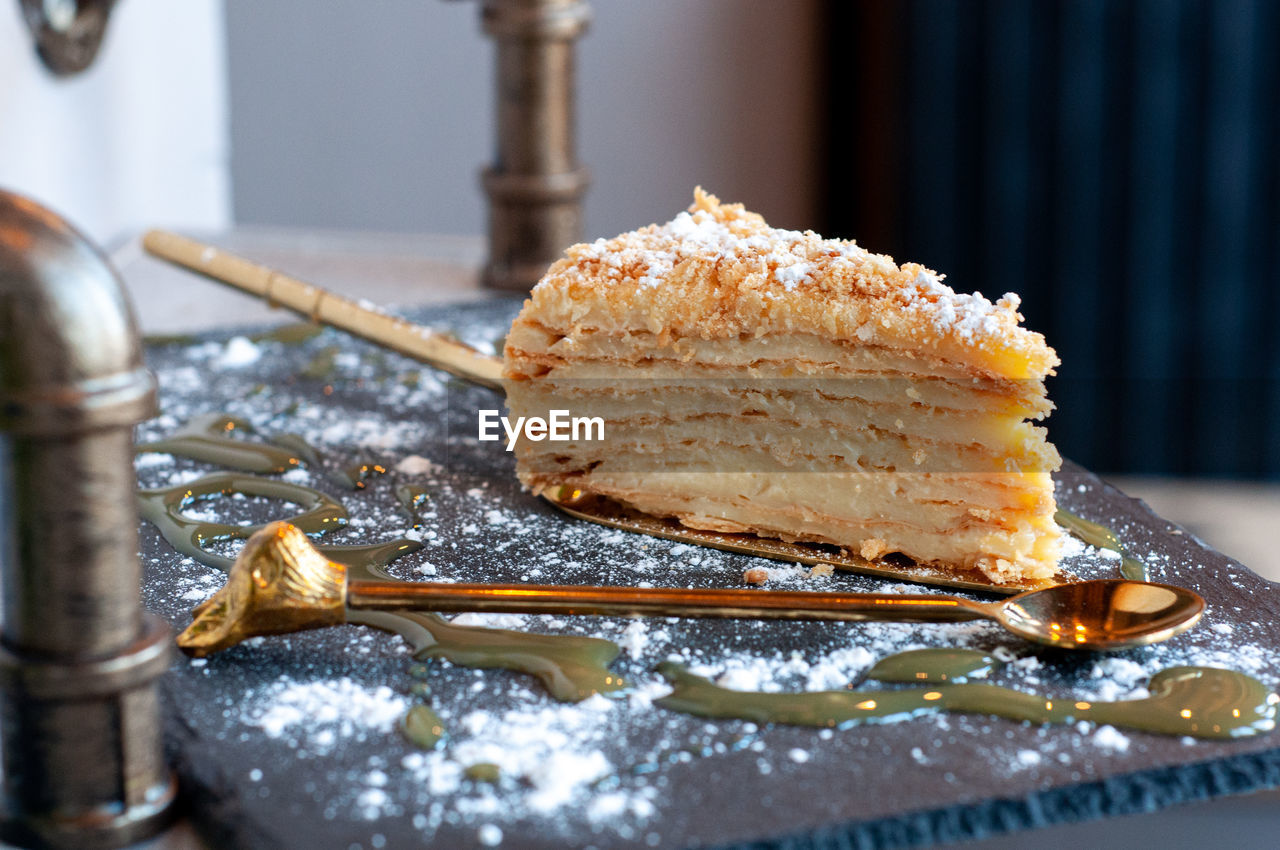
x: 307, y: 723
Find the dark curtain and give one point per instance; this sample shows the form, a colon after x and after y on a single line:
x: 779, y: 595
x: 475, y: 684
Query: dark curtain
x: 1117, y: 163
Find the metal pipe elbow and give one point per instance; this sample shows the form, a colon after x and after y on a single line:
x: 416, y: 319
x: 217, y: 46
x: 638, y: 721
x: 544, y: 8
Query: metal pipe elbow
x: 70, y: 356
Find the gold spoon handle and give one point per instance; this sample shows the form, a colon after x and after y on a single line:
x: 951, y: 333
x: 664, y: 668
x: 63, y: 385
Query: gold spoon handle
x: 280, y: 583
x: 660, y: 602
x: 319, y: 305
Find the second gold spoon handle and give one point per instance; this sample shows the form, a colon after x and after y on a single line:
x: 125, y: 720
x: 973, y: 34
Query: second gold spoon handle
x: 660, y: 602
x: 319, y: 305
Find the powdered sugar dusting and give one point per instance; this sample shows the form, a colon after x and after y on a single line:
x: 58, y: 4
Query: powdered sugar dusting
x: 416, y: 465
x: 651, y: 255
x: 792, y: 260
x: 605, y: 771
x: 239, y: 351
x: 316, y: 715
x: 1111, y: 738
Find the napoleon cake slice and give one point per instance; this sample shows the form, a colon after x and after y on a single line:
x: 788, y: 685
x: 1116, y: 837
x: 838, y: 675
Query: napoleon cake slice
x: 771, y: 382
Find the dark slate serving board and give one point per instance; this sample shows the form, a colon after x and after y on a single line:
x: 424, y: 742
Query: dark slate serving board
x: 262, y: 769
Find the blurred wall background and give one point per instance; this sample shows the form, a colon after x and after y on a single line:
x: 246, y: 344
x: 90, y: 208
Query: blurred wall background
x: 378, y: 116
x: 1117, y: 162
x: 140, y: 137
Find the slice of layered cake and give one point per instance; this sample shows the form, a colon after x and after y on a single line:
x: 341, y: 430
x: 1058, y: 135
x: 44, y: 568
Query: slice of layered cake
x: 750, y: 379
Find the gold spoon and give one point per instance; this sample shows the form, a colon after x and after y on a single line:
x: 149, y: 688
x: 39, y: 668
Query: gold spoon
x: 280, y: 583
x: 457, y: 358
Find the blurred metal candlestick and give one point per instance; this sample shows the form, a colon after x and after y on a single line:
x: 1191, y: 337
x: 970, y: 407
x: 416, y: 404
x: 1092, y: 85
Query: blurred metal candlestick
x: 67, y: 33
x: 536, y: 185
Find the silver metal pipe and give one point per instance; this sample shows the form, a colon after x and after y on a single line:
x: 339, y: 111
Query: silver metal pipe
x: 535, y: 186
x: 79, y: 712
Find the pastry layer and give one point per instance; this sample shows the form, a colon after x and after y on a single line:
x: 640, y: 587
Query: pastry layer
x: 534, y: 347
x: 666, y: 410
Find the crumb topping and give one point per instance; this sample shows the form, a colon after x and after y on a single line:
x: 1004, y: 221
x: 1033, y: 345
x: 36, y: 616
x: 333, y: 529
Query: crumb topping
x: 718, y: 270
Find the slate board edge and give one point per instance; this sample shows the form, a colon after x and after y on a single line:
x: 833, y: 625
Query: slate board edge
x: 1141, y: 792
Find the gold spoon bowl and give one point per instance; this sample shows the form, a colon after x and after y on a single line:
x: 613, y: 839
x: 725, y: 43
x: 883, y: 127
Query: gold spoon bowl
x: 1104, y: 615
